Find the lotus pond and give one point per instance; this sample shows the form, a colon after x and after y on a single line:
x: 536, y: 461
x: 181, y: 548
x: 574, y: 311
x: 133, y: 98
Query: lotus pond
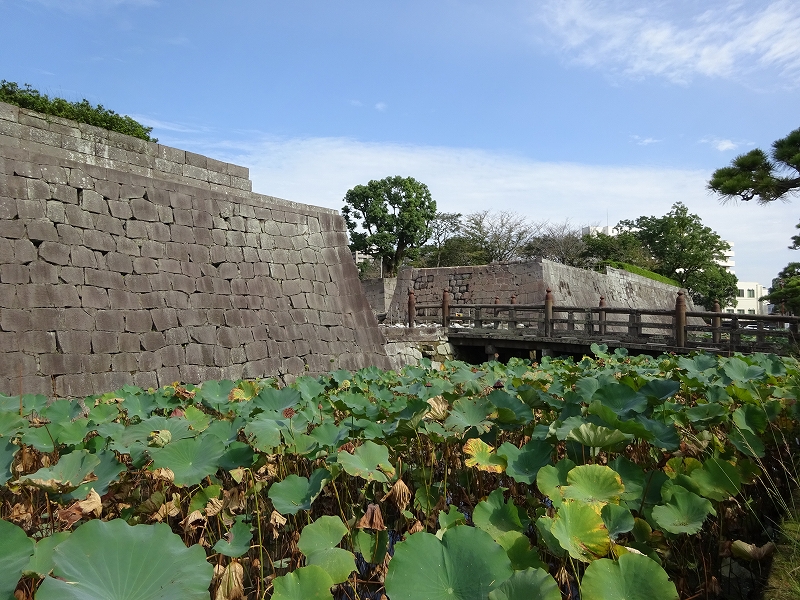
x: 610, y: 477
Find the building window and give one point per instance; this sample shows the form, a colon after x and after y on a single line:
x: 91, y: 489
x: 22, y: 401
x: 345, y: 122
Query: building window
x: 729, y: 310
x: 740, y: 311
x: 740, y: 293
x: 751, y: 311
x: 751, y: 293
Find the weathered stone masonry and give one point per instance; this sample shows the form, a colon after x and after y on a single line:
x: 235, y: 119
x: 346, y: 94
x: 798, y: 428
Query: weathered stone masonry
x: 129, y: 262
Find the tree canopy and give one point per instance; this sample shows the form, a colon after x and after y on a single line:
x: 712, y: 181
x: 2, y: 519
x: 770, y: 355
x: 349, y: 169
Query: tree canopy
x: 759, y: 176
x: 389, y: 219
x: 687, y: 251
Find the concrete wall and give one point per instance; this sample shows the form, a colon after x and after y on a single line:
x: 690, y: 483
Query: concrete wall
x: 124, y: 261
x: 480, y: 284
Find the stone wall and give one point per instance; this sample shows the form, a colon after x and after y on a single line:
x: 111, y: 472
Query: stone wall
x: 129, y: 262
x: 480, y: 284
x: 406, y: 346
x: 379, y: 293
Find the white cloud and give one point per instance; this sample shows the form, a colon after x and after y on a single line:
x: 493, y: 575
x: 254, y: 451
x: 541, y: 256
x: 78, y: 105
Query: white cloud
x: 167, y: 125
x: 679, y: 40
x: 319, y: 171
x: 381, y: 106
x: 721, y: 144
x: 356, y: 103
x: 644, y: 141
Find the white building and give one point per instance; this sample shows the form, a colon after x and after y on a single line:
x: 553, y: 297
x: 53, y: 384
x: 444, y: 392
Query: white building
x: 729, y: 263
x: 747, y: 302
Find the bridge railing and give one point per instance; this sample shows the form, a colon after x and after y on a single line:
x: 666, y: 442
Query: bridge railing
x: 659, y: 327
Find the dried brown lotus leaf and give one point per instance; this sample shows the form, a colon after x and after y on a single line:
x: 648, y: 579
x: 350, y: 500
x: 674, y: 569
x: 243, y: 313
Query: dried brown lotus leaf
x: 233, y: 500
x: 416, y: 528
x: 70, y: 515
x: 21, y: 514
x: 399, y: 494
x: 92, y: 505
x: 276, y: 521
x: 163, y: 474
x: 213, y: 507
x: 372, y: 519
x: 747, y: 551
x: 188, y: 523
x: 440, y: 408
x: 231, y: 584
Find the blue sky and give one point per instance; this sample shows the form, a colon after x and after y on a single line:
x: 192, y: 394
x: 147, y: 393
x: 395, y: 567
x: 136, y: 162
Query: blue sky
x: 587, y: 110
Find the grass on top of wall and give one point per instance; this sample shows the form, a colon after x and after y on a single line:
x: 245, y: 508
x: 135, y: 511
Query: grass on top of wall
x: 83, y: 111
x: 643, y: 272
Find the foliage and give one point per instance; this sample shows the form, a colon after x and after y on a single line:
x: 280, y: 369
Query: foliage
x: 621, y: 475
x: 785, y: 290
x: 394, y: 213
x: 82, y: 112
x: 757, y: 175
x: 687, y: 251
x: 625, y: 247
x: 444, y: 228
x: 643, y: 272
x: 500, y: 236
x: 557, y: 242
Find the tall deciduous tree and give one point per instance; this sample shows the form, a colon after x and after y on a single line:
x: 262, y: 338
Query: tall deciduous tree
x: 686, y: 250
x: 760, y: 176
x: 500, y: 236
x: 559, y: 242
x: 389, y: 219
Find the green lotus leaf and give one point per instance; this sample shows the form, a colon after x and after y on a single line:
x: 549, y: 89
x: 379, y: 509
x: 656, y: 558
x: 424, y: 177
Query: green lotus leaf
x: 198, y: 420
x: 7, y: 453
x: 67, y: 474
x: 705, y: 414
x: 470, y: 412
x: 593, y: 484
x: 684, y: 512
x: 630, y: 427
x: 41, y: 562
x: 238, y: 542
x: 191, y: 460
x: 337, y: 562
x: 621, y: 399
x: 632, y: 478
x: 482, y: 457
x: 308, y: 387
x: 103, y: 560
x: 30, y: 403
x: 270, y: 399
x: 329, y: 435
x: 103, y: 413
x: 107, y: 471
x: 525, y: 585
x: 425, y: 499
x: 510, y: 408
x: 520, y: 552
x: 597, y: 436
x: 497, y: 517
x: 214, y: 394
x: 323, y: 534
x: 159, y: 439
x: 544, y: 526
x: 264, y: 433
x: 717, y: 480
x: 633, y: 577
x: 16, y: 549
x: 203, y: 496
x: 238, y: 454
x: 369, y: 461
x: 123, y: 440
x: 618, y: 519
x: 296, y: 493
x: 552, y: 478
x: 138, y: 406
x: 465, y: 565
x: 747, y: 443
x: 522, y: 464
x: 660, y: 389
x: 662, y: 435
x: 305, y: 583
x: 740, y: 372
x: 373, y: 546
x: 11, y: 424
x: 450, y: 518
x: 581, y: 531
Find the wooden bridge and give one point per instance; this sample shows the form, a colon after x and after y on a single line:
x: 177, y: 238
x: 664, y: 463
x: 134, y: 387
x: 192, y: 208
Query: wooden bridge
x: 550, y: 329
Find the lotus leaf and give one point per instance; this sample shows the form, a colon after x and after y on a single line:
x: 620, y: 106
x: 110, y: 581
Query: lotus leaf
x: 581, y: 531
x: 103, y: 560
x: 544, y: 526
x: 16, y: 549
x: 450, y: 518
x: 465, y: 565
x: 552, y: 478
x: 497, y: 517
x: 369, y: 461
x: 633, y: 577
x: 106, y: 471
x: 7, y: 453
x: 373, y: 546
x: 660, y: 389
x: 318, y: 542
x: 264, y: 433
x: 41, y: 563
x: 296, y: 493
x: 597, y: 436
x: 67, y: 474
x: 238, y: 539
x: 621, y: 399
x: 270, y: 399
x: 684, y: 512
x: 525, y: 585
x: 481, y: 456
x: 618, y: 519
x: 215, y: 394
x: 740, y: 372
x: 191, y: 460
x: 11, y: 424
x: 470, y: 412
x: 308, y: 387
x: 203, y: 496
x: 29, y: 403
x: 662, y: 435
x: 717, y: 480
x: 328, y: 434
x: 305, y: 583
x: 632, y: 478
x: 518, y: 547
x: 522, y: 464
x: 594, y: 484
x: 510, y: 409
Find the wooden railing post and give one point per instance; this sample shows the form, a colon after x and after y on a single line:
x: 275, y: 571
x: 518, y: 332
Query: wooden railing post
x: 445, y: 308
x: 602, y: 315
x: 512, y: 314
x: 548, y: 313
x: 680, y: 320
x: 497, y: 312
x: 716, y: 324
x: 478, y: 318
x: 412, y: 307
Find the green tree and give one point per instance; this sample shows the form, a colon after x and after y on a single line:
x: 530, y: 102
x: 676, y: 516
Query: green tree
x: 785, y: 290
x: 444, y: 227
x: 761, y: 176
x: 687, y: 251
x: 624, y: 247
x: 389, y: 219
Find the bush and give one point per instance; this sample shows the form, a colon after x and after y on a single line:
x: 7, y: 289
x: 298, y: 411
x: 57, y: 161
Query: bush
x: 83, y: 111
